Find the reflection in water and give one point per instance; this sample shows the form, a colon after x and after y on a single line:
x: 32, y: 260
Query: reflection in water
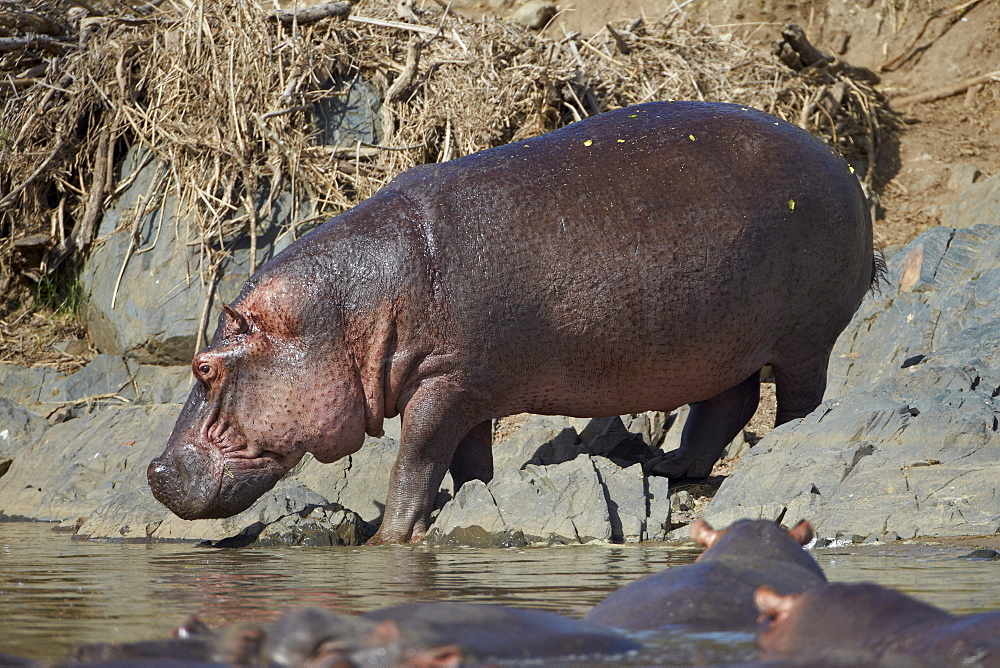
x: 56, y: 592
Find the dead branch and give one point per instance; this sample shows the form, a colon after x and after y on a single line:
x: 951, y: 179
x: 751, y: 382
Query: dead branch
x: 313, y: 14
x: 945, y: 91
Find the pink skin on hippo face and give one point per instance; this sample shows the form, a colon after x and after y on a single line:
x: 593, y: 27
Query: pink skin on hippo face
x: 230, y: 446
x: 642, y: 259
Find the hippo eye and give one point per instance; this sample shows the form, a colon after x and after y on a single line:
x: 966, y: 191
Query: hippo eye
x: 205, y: 369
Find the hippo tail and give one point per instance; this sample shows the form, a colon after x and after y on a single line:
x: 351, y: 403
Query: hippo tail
x: 880, y: 273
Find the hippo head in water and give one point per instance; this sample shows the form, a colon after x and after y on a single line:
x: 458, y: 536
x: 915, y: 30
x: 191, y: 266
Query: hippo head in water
x: 272, y: 386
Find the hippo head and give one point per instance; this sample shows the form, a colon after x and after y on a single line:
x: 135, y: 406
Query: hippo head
x: 836, y: 617
x: 276, y: 382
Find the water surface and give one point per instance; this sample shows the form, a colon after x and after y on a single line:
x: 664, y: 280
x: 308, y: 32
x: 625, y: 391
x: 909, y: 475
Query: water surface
x: 56, y: 592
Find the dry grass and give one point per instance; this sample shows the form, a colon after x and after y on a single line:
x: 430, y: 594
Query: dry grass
x: 224, y: 94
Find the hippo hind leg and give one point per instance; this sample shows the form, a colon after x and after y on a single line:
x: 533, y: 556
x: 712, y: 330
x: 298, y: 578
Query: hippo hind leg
x: 473, y: 459
x: 711, y: 425
x: 799, y: 386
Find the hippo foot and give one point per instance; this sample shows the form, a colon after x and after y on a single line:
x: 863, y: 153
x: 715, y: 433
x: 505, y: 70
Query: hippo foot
x: 677, y: 464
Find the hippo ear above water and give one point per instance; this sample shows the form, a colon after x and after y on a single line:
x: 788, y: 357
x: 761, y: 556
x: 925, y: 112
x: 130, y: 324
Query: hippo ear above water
x: 773, y: 605
x: 802, y: 532
x: 703, y: 534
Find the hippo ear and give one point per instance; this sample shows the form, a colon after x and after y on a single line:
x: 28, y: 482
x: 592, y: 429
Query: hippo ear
x: 238, y: 322
x: 773, y: 605
x: 703, y: 534
x: 802, y: 532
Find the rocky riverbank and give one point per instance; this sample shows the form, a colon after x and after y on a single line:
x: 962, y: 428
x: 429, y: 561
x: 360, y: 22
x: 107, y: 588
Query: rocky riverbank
x: 904, y: 446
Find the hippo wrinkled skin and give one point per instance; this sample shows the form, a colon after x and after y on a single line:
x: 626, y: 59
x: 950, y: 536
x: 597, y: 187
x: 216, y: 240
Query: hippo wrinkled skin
x: 876, y: 624
x: 641, y: 259
x: 717, y: 591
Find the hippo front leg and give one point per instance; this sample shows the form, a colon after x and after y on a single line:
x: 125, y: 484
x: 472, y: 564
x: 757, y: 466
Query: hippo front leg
x: 711, y: 425
x: 432, y: 432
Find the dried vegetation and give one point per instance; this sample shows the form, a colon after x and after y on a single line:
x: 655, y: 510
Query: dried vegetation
x: 225, y: 94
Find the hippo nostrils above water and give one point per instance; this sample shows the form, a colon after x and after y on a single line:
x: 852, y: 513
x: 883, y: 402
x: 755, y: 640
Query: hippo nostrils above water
x: 641, y: 259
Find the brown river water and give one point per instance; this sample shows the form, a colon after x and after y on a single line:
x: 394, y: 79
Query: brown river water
x: 56, y: 592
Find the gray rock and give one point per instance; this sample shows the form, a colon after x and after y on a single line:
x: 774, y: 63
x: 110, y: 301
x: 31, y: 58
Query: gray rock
x: 80, y: 465
x: 156, y: 384
x: 150, y: 309
x: 561, y: 503
x: 625, y: 495
x: 359, y: 481
x: 658, y: 503
x: 977, y: 202
x: 23, y: 385
x: 535, y: 14
x: 19, y: 429
x: 105, y: 378
x: 344, y: 120
x: 909, y: 449
x: 941, y: 286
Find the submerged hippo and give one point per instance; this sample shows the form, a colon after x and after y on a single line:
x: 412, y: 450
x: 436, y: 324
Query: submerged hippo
x: 717, y: 591
x: 415, y: 634
x: 645, y: 258
x: 878, y: 621
x: 436, y: 634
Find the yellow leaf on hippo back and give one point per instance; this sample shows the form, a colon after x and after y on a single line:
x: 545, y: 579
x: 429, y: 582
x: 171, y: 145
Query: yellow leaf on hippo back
x: 588, y: 142
x: 791, y: 204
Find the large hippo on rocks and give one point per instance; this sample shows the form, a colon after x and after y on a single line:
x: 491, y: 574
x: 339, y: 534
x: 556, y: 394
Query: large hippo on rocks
x: 645, y: 258
x: 717, y: 591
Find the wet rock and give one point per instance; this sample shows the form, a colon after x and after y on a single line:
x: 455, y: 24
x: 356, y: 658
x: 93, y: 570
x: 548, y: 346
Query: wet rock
x: 314, y: 526
x: 358, y: 481
x: 909, y: 448
x: 982, y: 555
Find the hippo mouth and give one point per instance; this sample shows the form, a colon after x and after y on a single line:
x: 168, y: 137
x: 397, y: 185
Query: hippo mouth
x: 199, y: 483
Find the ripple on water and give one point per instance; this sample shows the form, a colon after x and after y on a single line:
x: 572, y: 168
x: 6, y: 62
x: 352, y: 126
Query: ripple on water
x: 56, y: 592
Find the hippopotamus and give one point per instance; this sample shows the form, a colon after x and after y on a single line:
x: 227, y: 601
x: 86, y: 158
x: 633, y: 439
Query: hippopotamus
x: 716, y: 591
x: 413, y: 634
x: 437, y: 634
x: 880, y: 622
x: 644, y: 258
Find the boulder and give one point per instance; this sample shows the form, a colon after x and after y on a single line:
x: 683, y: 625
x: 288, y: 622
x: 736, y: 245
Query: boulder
x: 106, y: 380
x: 909, y: 446
x: 145, y: 280
x: 978, y: 201
x: 553, y: 484
x: 557, y: 504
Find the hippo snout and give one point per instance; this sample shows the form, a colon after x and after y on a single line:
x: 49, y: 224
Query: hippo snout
x: 183, y: 480
x: 199, y: 483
